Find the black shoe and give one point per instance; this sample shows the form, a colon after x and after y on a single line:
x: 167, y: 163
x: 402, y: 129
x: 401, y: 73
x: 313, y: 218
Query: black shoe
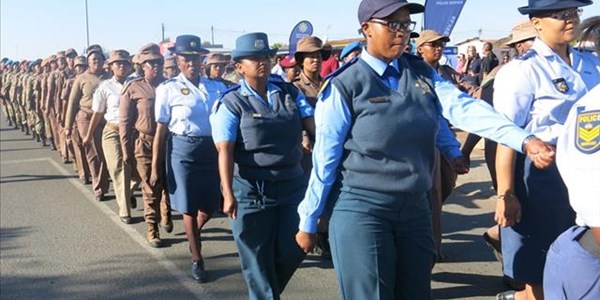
x: 126, y: 220
x: 100, y: 197
x: 488, y: 241
x: 198, y: 272
x: 508, y: 295
x: 133, y: 202
x: 86, y: 181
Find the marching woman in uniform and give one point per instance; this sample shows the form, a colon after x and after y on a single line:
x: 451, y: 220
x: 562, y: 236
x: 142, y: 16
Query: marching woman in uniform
x: 182, y: 110
x: 536, y: 92
x: 258, y: 126
x: 572, y: 268
x: 377, y: 120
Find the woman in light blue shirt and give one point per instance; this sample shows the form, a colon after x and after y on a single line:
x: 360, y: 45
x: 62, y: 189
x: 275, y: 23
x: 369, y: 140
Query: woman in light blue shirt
x: 536, y: 91
x: 258, y: 126
x: 182, y: 112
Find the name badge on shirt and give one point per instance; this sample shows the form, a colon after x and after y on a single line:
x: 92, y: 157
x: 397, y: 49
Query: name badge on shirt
x: 256, y: 116
x: 561, y: 85
x: 380, y: 100
x: 588, y: 132
x: 185, y: 91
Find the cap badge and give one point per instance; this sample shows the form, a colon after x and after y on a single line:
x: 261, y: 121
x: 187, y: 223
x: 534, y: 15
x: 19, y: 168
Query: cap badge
x: 259, y: 44
x: 193, y: 44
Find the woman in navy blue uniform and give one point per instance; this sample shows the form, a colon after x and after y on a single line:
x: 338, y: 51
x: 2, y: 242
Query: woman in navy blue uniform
x: 536, y: 92
x: 258, y: 126
x: 182, y: 110
x: 377, y: 121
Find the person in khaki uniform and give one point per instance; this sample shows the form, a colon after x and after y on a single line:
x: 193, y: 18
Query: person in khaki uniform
x: 83, y: 169
x: 30, y: 100
x: 52, y: 101
x: 137, y: 114
x: 16, y: 93
x: 36, y: 90
x: 308, y: 56
x: 105, y: 104
x: 170, y: 68
x: 80, y: 108
x: 48, y: 67
x: 4, y: 84
x: 65, y: 147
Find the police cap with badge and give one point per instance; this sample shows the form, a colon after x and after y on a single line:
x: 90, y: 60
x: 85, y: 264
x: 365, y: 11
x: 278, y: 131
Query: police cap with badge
x: 541, y: 7
x: 189, y: 45
x: 254, y: 44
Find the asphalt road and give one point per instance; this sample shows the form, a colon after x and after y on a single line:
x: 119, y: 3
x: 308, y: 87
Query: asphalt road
x: 56, y: 242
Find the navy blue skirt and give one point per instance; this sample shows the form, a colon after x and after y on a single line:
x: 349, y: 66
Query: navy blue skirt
x: 193, y: 174
x: 546, y: 214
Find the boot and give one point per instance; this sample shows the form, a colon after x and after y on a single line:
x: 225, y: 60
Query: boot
x: 44, y: 141
x: 37, y: 137
x: 152, y: 235
x: 26, y: 130
x: 9, y: 122
x: 15, y: 124
x: 52, y: 145
x: 22, y: 128
x: 166, y: 222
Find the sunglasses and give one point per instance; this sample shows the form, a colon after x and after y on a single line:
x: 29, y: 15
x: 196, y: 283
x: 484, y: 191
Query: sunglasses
x: 563, y: 15
x: 436, y: 44
x: 396, y: 26
x: 154, y: 62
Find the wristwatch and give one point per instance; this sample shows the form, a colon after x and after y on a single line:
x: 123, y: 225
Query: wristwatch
x: 527, y: 140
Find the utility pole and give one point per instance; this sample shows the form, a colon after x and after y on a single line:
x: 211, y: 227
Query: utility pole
x: 87, y: 27
x: 163, y: 31
x: 212, y: 33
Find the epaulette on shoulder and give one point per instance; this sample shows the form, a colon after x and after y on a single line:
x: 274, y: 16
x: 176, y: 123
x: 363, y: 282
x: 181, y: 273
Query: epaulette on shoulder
x: 167, y: 81
x: 128, y: 84
x: 275, y: 78
x: 228, y: 90
x: 410, y: 56
x: 339, y: 70
x: 219, y: 101
x: 528, y: 54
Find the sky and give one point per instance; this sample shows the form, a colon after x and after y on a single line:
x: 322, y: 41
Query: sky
x: 38, y: 28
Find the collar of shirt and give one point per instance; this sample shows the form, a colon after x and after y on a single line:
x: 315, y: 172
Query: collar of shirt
x: 246, y: 90
x: 377, y: 64
x: 307, y: 80
x: 113, y: 80
x: 542, y: 49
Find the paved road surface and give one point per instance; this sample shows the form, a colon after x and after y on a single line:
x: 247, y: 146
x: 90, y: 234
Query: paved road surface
x: 56, y: 242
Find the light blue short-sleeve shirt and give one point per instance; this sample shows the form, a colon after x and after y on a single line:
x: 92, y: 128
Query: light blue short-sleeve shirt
x: 184, y: 106
x: 225, y: 124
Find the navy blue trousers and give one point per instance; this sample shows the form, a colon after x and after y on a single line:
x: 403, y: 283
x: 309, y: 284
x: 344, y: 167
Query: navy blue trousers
x: 382, y: 245
x: 265, y: 233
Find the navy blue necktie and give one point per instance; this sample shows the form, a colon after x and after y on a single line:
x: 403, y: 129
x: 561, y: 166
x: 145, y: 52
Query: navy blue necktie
x: 391, y: 76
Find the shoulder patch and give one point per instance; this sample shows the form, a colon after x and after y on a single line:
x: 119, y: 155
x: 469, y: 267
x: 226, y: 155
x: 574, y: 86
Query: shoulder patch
x: 528, y: 54
x: 587, y: 137
x: 167, y: 81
